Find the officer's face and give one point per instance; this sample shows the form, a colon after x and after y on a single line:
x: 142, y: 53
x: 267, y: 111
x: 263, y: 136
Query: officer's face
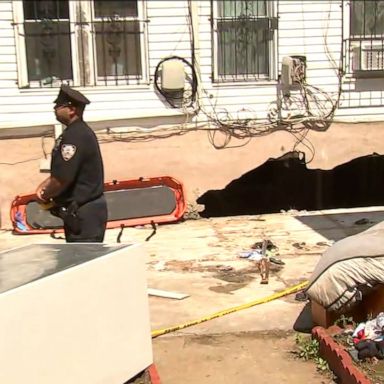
x: 64, y: 113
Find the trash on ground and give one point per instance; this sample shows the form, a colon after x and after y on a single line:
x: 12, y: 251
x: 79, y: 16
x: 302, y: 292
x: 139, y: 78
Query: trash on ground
x: 166, y: 294
x: 362, y: 221
x: 366, y: 340
x: 301, y: 296
x: 262, y: 252
x: 274, y: 260
x: 251, y: 255
x: 269, y: 246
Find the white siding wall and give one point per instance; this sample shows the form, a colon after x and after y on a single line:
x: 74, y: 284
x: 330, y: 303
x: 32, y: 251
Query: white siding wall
x: 168, y: 34
x: 8, y: 70
x: 309, y: 28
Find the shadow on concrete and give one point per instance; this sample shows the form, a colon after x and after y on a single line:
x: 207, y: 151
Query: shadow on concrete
x: 304, y: 323
x: 286, y: 183
x: 337, y: 226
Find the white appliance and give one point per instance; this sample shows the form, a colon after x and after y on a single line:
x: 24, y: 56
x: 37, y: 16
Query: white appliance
x: 73, y: 314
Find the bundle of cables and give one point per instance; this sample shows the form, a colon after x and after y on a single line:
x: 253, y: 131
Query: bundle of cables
x: 187, y: 97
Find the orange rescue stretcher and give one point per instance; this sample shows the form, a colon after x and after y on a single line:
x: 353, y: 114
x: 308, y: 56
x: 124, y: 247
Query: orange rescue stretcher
x: 130, y: 203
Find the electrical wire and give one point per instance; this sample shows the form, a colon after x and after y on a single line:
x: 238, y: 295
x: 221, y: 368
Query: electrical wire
x: 313, y: 110
x: 305, y: 108
x: 21, y: 161
x: 302, y: 139
x: 45, y: 153
x: 187, y: 97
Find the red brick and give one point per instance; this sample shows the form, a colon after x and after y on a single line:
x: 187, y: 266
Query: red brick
x: 339, y: 361
x: 153, y: 374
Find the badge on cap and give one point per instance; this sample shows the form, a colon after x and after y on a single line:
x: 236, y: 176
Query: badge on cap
x: 68, y: 151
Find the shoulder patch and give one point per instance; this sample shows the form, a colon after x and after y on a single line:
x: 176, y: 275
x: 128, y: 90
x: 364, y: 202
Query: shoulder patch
x: 68, y: 151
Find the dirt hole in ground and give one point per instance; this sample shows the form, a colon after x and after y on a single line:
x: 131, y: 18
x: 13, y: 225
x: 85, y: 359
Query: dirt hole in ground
x: 286, y: 183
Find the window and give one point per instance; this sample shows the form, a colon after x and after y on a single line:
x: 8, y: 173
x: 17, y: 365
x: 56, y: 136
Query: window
x: 80, y: 42
x: 364, y: 37
x: 244, y: 40
x: 367, y: 19
x: 118, y: 44
x: 47, y: 40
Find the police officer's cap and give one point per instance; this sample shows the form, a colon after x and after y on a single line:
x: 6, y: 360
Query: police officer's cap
x: 69, y: 96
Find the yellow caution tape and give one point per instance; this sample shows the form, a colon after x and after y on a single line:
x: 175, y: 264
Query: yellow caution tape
x: 215, y: 315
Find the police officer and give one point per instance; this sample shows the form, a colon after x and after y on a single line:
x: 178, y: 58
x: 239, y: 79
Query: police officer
x: 76, y: 183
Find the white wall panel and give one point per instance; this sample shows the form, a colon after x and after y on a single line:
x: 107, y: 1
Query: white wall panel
x: 305, y: 28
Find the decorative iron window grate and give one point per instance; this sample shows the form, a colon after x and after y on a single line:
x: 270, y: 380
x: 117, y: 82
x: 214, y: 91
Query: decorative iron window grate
x: 47, y: 40
x: 83, y: 43
x: 118, y: 49
x: 364, y: 44
x: 243, y: 33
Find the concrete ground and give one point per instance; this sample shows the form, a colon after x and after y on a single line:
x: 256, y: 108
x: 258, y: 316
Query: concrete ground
x: 201, y: 258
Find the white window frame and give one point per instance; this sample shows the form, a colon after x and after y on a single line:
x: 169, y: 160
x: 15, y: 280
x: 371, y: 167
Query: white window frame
x: 21, y: 52
x: 85, y: 8
x: 350, y: 44
x: 346, y: 4
x: 142, y: 15
x: 273, y: 65
x: 346, y: 18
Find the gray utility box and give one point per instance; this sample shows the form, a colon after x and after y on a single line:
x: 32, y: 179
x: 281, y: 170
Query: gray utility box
x: 73, y: 314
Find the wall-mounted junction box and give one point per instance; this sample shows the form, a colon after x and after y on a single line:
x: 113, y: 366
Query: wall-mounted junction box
x: 45, y: 164
x: 172, y: 76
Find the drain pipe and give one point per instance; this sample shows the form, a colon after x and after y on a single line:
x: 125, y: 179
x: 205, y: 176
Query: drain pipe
x: 194, y: 15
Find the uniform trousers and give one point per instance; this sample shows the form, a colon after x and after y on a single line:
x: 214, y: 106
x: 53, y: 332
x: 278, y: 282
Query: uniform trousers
x: 92, y: 221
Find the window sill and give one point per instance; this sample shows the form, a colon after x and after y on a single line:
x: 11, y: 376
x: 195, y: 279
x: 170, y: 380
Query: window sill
x: 134, y: 120
x: 368, y: 74
x: 94, y: 89
x: 251, y: 83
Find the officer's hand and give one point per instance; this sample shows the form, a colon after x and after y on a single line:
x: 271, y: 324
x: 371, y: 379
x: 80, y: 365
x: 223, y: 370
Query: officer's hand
x: 40, y: 196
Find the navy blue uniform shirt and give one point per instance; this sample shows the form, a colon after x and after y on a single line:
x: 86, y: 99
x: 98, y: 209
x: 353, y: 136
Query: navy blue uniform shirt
x: 76, y: 160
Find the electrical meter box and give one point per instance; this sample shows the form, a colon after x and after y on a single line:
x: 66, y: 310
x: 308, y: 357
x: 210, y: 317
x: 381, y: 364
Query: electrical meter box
x: 172, y: 76
x: 293, y: 70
